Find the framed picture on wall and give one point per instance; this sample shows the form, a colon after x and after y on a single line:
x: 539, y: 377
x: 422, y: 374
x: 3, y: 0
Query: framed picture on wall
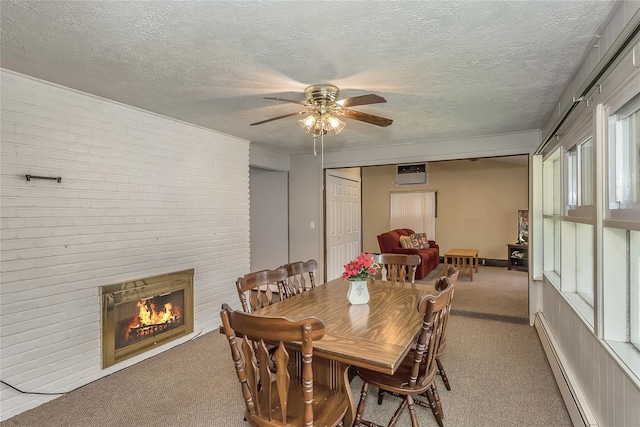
x: 523, y: 227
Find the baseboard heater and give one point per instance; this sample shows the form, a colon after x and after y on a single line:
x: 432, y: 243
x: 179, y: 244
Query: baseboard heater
x: 574, y: 399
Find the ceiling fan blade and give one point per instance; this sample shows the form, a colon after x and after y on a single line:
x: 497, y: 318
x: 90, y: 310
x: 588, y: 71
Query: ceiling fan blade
x: 361, y: 100
x: 279, y: 117
x: 367, y: 118
x: 286, y: 100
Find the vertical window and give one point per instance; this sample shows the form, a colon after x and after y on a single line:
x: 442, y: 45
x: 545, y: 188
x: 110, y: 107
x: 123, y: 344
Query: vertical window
x: 552, y: 209
x: 579, y: 175
x: 571, y: 162
x: 584, y: 262
x: 634, y: 288
x: 577, y: 244
x: 621, y: 226
x: 557, y: 187
x: 585, y: 173
x: 624, y: 159
x: 577, y: 258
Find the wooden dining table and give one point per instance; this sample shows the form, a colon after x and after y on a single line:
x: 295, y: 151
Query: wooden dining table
x: 377, y: 335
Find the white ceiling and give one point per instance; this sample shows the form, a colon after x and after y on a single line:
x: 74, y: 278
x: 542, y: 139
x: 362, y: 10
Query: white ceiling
x: 448, y: 69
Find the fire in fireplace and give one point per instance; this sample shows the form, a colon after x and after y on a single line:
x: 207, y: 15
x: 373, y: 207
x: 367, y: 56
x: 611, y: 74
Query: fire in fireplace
x: 144, y: 313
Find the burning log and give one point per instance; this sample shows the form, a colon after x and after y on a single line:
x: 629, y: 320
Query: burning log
x: 151, y: 321
x: 152, y: 329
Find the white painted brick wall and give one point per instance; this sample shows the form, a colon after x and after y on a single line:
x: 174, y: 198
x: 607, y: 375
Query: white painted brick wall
x: 140, y: 195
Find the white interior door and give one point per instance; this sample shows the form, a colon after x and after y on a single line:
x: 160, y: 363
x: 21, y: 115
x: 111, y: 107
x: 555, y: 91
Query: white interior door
x: 343, y: 230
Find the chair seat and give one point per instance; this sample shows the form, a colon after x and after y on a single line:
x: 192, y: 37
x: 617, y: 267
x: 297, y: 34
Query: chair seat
x: 396, y: 383
x: 329, y: 407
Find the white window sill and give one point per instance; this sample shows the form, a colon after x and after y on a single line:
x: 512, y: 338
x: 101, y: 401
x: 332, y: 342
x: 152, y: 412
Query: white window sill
x: 553, y: 277
x: 580, y: 306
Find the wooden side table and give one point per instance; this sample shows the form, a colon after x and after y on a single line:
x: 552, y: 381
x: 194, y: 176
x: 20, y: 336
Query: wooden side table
x: 465, y: 260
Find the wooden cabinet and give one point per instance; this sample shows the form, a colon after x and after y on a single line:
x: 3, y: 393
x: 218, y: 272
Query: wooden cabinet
x: 518, y: 257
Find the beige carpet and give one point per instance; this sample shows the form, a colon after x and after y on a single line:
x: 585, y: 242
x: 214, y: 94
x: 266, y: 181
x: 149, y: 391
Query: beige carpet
x: 495, y: 292
x: 498, y: 373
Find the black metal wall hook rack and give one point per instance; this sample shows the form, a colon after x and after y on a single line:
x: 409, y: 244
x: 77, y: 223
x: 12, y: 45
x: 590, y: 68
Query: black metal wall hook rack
x: 53, y: 178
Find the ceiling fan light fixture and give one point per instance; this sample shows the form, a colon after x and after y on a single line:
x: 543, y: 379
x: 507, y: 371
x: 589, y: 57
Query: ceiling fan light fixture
x: 308, y: 123
x: 318, y: 131
x: 323, y: 106
x: 335, y: 124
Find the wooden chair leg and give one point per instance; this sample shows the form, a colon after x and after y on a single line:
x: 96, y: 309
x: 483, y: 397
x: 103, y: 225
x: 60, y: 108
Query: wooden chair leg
x: 380, y: 396
x: 360, y: 409
x: 396, y: 414
x: 445, y: 380
x: 412, y: 412
x: 433, y: 403
x: 436, y: 397
x: 434, y: 407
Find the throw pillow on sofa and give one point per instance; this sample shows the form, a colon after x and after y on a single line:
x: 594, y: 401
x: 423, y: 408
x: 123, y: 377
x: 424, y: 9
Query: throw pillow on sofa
x: 405, y: 242
x: 415, y: 241
x: 419, y: 240
x: 424, y: 241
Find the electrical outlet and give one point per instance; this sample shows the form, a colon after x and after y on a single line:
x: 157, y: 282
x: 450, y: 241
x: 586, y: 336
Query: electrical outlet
x: 483, y: 262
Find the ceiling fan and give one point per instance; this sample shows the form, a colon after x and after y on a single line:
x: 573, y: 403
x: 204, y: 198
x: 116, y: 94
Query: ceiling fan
x: 324, y: 109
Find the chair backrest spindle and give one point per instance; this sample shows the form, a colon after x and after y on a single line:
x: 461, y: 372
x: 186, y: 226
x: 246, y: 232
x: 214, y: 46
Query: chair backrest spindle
x: 261, y: 288
x: 300, y: 276
x: 397, y: 267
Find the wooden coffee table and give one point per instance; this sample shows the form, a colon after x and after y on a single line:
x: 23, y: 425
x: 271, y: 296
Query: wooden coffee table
x: 465, y: 260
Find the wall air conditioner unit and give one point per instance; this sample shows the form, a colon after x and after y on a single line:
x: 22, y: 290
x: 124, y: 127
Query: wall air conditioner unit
x: 412, y: 174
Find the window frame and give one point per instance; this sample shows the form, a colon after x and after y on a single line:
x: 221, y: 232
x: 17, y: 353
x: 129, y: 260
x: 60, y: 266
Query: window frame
x: 574, y: 247
x: 585, y: 132
x: 617, y: 228
x: 626, y: 100
x: 552, y: 209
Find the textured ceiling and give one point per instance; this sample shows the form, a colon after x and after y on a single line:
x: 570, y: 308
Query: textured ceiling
x: 448, y: 69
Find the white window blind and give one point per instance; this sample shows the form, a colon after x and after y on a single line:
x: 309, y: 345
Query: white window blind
x: 414, y: 210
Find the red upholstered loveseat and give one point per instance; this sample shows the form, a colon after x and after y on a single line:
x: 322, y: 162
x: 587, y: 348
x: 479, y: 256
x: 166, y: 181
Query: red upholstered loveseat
x: 390, y: 244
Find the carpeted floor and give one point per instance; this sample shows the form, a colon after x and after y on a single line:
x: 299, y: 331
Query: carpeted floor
x: 495, y: 293
x: 498, y: 373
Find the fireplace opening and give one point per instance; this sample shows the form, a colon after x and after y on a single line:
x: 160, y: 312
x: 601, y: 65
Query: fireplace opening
x: 138, y: 320
x: 144, y: 313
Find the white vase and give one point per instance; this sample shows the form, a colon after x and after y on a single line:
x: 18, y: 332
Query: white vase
x: 358, y: 292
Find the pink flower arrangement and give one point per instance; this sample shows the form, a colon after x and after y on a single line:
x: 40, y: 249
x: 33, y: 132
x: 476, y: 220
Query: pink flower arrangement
x: 362, y: 268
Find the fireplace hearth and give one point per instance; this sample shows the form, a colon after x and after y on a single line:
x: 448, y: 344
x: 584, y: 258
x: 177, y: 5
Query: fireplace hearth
x: 144, y: 313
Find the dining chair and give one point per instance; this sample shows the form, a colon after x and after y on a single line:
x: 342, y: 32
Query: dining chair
x: 279, y: 394
x: 261, y: 288
x: 300, y: 276
x: 417, y: 372
x: 452, y: 275
x: 440, y: 285
x: 397, y: 267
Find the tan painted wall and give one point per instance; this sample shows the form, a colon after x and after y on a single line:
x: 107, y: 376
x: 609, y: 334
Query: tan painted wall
x: 478, y: 203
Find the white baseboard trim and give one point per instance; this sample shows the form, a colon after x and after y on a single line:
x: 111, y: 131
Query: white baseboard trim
x: 575, y: 401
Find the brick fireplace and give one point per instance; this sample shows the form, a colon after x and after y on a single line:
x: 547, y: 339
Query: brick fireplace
x: 140, y: 314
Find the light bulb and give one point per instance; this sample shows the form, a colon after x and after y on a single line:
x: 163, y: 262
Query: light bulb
x: 307, y: 123
x: 335, y: 124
